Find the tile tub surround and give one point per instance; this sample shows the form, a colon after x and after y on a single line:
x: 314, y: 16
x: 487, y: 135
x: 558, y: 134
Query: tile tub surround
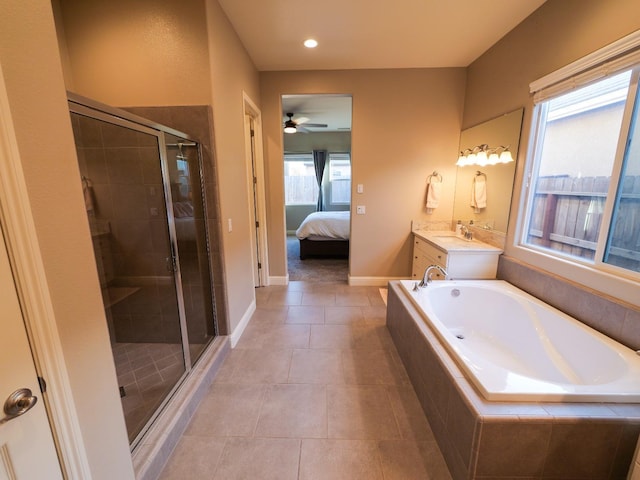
x: 615, y: 319
x: 502, y: 440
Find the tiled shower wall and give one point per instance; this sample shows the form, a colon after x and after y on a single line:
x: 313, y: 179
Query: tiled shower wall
x: 124, y: 172
x: 615, y: 319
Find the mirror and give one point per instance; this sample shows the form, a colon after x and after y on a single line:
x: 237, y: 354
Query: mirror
x: 505, y: 131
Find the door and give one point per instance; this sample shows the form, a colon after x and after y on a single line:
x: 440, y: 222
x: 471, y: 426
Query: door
x: 257, y: 262
x: 185, y: 178
x: 253, y: 198
x: 27, y: 449
x: 125, y: 199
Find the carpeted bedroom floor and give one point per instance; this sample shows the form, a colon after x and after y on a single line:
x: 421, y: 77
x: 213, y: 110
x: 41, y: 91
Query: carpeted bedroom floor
x: 314, y: 269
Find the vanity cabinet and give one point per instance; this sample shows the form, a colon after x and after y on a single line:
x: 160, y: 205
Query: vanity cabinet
x: 425, y: 254
x: 472, y: 260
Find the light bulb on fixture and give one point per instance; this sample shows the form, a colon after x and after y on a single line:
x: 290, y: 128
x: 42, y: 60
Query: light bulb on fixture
x: 481, y: 158
x: 310, y: 43
x: 505, y: 157
x: 484, y: 155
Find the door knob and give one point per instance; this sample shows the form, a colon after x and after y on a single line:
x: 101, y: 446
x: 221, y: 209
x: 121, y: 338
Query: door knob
x: 19, y: 402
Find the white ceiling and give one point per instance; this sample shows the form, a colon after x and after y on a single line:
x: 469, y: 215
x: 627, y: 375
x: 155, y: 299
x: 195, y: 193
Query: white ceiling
x: 356, y: 34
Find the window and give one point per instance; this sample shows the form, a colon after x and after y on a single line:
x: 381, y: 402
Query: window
x: 300, y: 185
x: 584, y: 198
x: 623, y: 243
x: 339, y: 179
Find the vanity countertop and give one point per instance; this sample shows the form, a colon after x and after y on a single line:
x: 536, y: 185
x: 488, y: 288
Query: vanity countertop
x: 448, y: 241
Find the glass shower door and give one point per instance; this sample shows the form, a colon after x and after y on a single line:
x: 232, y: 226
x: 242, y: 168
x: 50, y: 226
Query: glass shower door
x: 125, y: 201
x: 188, y: 208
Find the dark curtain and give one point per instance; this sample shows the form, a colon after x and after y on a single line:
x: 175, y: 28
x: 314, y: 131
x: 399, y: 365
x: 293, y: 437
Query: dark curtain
x: 319, y: 161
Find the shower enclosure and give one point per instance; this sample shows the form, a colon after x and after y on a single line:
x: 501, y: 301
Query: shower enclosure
x: 145, y: 202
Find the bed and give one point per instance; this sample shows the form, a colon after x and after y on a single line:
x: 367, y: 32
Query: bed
x: 324, y: 234
x: 184, y: 221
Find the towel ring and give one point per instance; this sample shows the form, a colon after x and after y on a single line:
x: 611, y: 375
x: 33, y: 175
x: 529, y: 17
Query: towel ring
x: 434, y: 175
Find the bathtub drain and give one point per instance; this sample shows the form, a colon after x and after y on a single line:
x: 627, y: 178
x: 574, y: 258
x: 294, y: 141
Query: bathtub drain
x: 455, y: 292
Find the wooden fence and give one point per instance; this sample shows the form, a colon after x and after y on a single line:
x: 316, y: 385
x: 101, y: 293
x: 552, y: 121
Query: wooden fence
x: 567, y: 212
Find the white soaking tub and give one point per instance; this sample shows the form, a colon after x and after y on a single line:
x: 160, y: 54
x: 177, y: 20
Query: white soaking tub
x: 514, y: 347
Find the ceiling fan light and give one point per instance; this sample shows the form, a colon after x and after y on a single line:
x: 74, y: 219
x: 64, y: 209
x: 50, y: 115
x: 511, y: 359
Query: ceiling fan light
x: 290, y: 129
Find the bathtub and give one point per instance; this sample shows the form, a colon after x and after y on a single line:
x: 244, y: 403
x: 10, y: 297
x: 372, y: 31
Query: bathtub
x: 513, y: 347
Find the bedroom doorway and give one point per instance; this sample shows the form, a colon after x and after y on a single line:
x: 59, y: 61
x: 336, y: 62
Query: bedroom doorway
x: 317, y: 179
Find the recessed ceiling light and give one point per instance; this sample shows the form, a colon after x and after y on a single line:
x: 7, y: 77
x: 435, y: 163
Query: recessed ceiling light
x: 310, y: 43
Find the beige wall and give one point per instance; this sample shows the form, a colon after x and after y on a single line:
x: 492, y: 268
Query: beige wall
x: 232, y: 73
x: 32, y: 71
x: 142, y: 53
x: 406, y: 124
x: 558, y: 33
x: 307, y: 142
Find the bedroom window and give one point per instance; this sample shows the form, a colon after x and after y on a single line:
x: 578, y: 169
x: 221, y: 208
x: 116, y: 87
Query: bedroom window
x: 339, y: 178
x: 583, y: 202
x: 300, y: 186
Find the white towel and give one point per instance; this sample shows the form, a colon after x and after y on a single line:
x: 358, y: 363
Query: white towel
x: 434, y: 189
x: 87, y: 192
x: 479, y: 193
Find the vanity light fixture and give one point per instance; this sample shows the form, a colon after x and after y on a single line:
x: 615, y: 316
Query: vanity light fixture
x: 484, y: 155
x: 310, y: 43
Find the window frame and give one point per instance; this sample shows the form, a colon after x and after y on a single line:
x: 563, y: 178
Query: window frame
x: 534, y: 163
x: 328, y: 183
x: 610, y: 279
x: 299, y: 157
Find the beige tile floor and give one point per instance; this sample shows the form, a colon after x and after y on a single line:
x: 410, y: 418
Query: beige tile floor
x: 313, y: 390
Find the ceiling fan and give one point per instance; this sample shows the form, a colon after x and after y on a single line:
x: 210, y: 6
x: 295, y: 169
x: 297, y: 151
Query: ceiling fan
x: 299, y: 124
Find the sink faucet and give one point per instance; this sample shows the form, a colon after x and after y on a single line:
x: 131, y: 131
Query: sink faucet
x: 426, y: 279
x: 466, y: 233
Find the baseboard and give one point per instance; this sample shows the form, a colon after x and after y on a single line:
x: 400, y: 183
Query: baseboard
x: 279, y: 280
x: 244, y: 321
x: 372, y: 281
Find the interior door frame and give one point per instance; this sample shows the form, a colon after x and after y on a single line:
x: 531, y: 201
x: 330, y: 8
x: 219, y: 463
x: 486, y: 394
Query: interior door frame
x: 33, y: 293
x: 254, y: 159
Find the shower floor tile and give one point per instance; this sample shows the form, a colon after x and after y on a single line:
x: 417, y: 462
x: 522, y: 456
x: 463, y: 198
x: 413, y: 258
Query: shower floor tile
x: 146, y: 372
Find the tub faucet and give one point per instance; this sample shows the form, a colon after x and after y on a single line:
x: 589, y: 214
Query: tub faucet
x: 426, y: 279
